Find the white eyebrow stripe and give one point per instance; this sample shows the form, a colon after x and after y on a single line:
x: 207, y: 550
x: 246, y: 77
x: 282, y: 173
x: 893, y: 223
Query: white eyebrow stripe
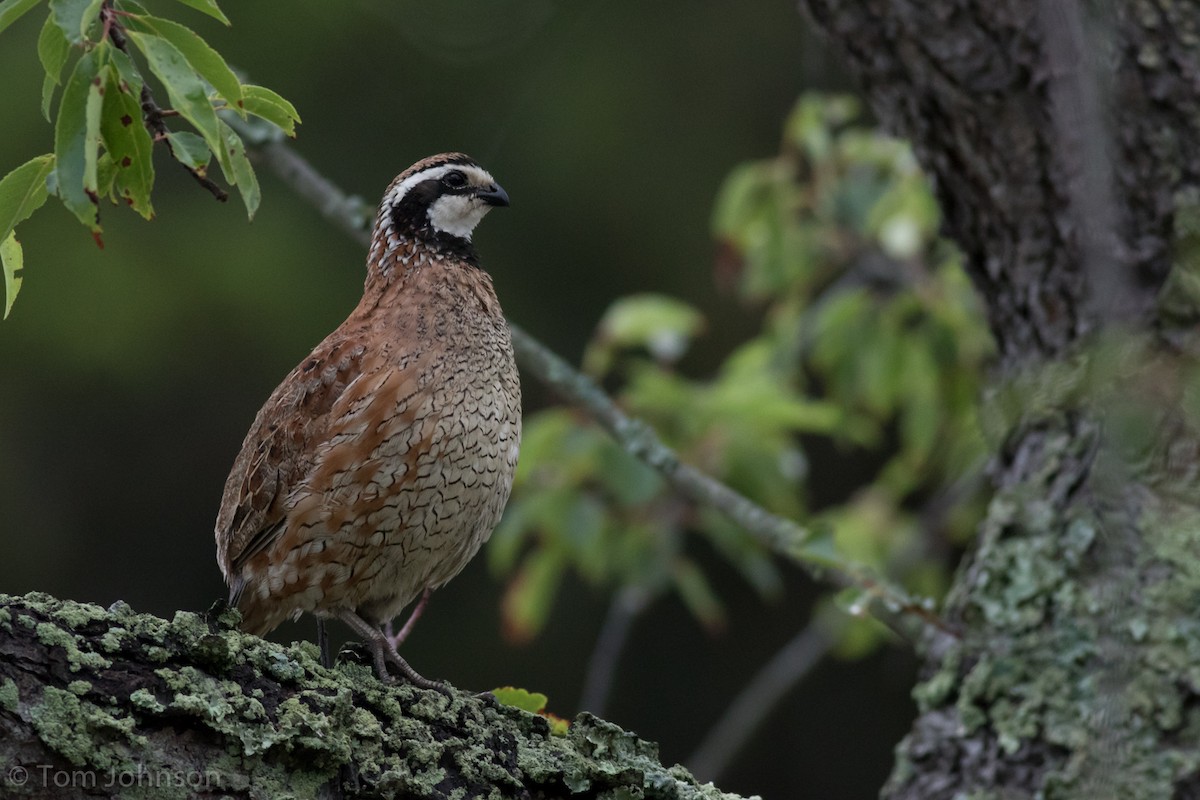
x: 476, y: 175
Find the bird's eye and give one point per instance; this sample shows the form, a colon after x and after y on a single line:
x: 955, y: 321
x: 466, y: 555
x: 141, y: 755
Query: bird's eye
x: 454, y: 179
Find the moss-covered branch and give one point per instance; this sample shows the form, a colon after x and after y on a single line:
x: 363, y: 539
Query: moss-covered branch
x: 109, y: 702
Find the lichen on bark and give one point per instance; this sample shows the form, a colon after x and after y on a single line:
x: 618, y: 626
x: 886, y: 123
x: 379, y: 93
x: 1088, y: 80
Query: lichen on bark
x: 1077, y: 675
x: 112, y: 701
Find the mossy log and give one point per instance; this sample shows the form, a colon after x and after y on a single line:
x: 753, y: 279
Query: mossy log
x: 110, y: 703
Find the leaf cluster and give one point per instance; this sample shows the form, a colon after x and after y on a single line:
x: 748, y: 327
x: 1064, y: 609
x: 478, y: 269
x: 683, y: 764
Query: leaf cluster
x: 105, y: 55
x: 871, y: 346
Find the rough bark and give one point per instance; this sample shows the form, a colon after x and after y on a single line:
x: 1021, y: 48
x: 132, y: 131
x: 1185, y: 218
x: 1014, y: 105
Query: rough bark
x: 1064, y: 142
x: 105, y: 703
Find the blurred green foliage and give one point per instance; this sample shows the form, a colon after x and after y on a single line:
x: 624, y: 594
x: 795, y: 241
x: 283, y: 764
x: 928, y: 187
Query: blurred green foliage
x: 871, y: 342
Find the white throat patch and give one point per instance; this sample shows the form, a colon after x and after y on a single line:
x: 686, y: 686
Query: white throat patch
x: 457, y: 214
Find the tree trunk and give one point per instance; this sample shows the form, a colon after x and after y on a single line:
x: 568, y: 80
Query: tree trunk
x: 107, y: 703
x: 1064, y: 142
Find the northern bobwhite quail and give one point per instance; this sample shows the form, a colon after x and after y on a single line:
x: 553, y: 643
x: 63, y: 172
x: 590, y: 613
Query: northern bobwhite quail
x: 379, y: 466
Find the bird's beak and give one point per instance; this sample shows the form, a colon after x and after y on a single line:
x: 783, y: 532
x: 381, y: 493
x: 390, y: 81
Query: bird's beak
x: 493, y: 195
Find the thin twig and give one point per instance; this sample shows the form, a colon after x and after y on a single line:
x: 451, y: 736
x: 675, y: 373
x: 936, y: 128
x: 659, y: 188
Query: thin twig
x: 627, y: 605
x: 346, y: 212
x: 780, y: 535
x: 152, y: 113
x: 756, y: 701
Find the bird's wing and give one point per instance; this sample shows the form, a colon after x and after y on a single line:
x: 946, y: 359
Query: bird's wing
x: 279, y: 450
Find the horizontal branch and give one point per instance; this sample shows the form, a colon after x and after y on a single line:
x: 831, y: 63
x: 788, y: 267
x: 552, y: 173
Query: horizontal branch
x: 782, y: 536
x: 107, y: 703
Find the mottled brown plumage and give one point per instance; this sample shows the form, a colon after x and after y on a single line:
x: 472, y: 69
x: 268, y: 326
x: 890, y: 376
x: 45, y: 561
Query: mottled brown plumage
x: 379, y: 466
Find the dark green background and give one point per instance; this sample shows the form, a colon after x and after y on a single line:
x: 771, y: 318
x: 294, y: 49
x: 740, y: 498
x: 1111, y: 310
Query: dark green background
x: 129, y: 375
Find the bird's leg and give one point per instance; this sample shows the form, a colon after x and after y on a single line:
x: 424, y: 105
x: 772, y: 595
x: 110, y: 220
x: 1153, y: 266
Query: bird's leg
x: 396, y: 639
x: 323, y: 644
x: 383, y: 653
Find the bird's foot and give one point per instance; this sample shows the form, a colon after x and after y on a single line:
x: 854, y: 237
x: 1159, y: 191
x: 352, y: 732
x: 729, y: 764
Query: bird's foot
x: 383, y: 654
x: 390, y: 656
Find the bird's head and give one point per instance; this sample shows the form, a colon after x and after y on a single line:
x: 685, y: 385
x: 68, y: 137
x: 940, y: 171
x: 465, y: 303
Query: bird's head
x: 440, y: 198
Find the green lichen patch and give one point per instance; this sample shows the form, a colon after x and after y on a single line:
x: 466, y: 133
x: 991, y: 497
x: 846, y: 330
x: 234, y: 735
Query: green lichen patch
x: 289, y: 664
x: 10, y: 695
x: 80, y: 732
x: 157, y: 654
x: 600, y: 739
x: 75, y: 615
x: 51, y: 635
x: 205, y: 697
x: 316, y: 728
x: 144, y: 700
x: 283, y: 668
x: 113, y: 640
x: 188, y: 625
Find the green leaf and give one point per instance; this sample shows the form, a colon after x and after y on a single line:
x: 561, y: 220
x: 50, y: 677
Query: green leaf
x: 106, y: 175
x: 23, y: 191
x: 128, y: 144
x: 11, y: 260
x: 262, y: 102
x: 922, y: 415
x: 190, y: 150
x: 207, y: 7
x: 629, y: 480
x: 661, y: 324
x: 187, y: 92
x: 243, y: 173
x: 91, y: 145
x: 739, y: 200
x: 206, y: 61
x: 528, y: 598
x: 74, y: 17
x: 127, y: 71
x: 53, y: 49
x: 533, y: 702
x: 76, y: 138
x: 583, y: 530
x: 12, y: 10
